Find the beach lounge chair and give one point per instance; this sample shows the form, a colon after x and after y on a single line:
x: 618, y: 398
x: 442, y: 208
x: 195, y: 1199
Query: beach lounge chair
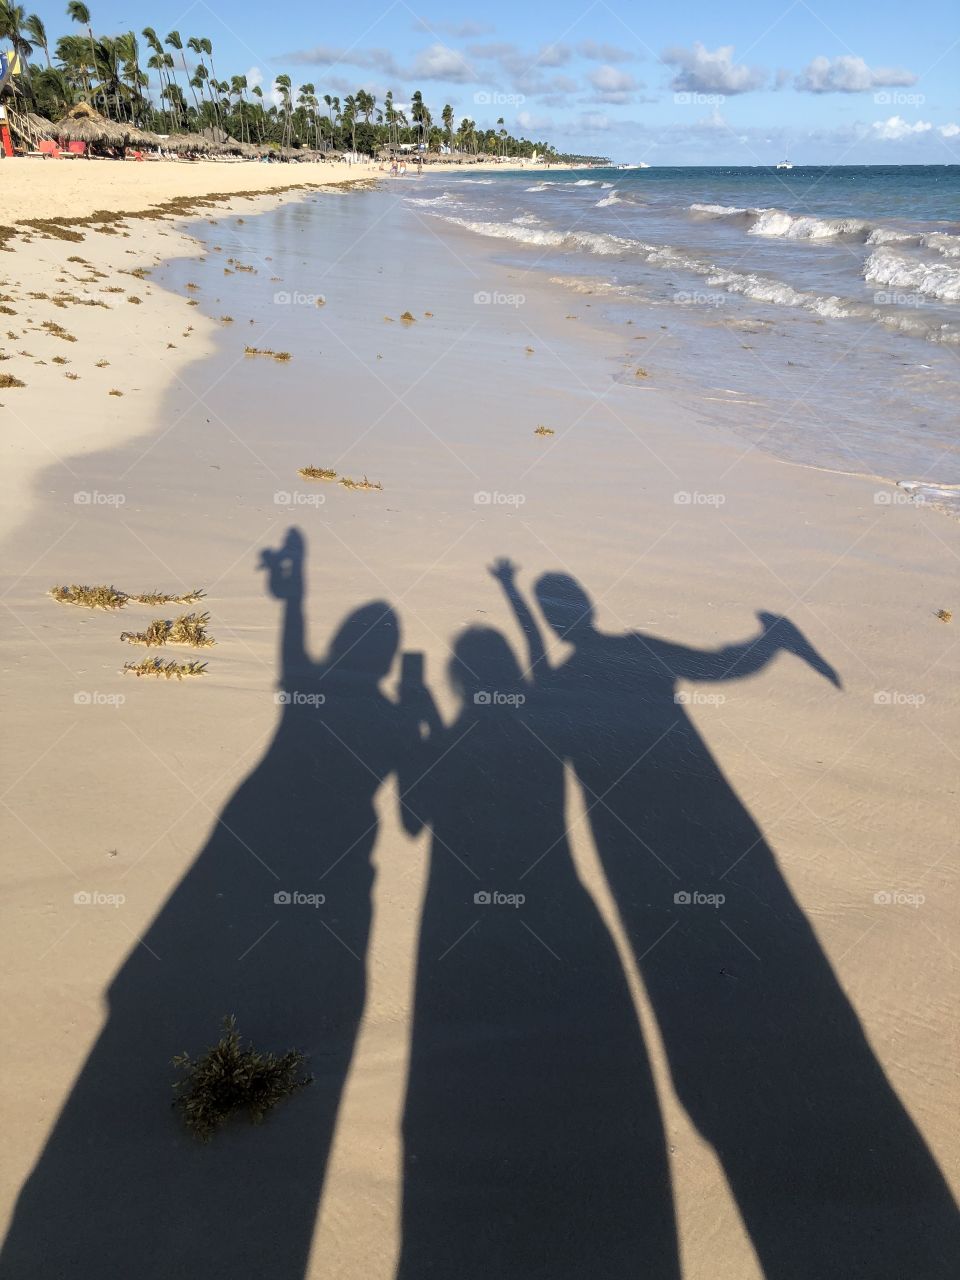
x: 47, y: 147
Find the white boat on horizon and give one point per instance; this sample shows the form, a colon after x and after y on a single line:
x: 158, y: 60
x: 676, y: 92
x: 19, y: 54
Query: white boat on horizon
x: 641, y: 165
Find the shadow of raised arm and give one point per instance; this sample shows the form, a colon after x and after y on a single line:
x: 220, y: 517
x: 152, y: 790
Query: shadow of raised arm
x: 737, y: 661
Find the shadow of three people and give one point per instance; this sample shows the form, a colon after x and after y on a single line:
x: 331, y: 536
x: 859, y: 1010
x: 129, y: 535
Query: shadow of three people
x: 532, y: 1131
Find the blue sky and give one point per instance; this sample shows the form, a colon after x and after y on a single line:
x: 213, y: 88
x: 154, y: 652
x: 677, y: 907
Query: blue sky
x: 698, y: 83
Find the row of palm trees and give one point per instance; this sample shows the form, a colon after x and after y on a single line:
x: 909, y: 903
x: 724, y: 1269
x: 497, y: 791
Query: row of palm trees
x: 147, y: 81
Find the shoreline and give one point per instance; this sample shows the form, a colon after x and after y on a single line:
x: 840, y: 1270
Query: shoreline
x: 439, y: 410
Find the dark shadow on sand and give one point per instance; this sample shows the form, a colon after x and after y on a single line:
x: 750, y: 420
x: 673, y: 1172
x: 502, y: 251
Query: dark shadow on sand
x: 766, y: 1053
x: 121, y: 1191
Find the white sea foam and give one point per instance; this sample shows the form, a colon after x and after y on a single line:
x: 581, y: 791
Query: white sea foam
x: 541, y: 186
x: 932, y: 279
x: 774, y: 222
x: 605, y: 203
x: 721, y: 210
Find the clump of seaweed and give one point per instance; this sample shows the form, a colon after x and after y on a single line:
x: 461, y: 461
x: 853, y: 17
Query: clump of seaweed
x: 189, y: 629
x: 226, y: 319
x: 8, y: 381
x: 102, y: 597
x: 134, y: 299
x: 92, y: 597
x: 641, y: 373
x: 57, y: 330
x: 360, y: 484
x: 168, y: 670
x: 281, y: 356
x: 945, y: 615
x: 240, y: 267
x: 114, y: 392
x: 408, y: 317
x: 231, y: 1077
x: 544, y: 431
x: 191, y: 285
x: 102, y: 364
x: 317, y: 473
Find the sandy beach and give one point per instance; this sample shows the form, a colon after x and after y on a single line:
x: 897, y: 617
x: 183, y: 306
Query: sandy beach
x: 736, y: 957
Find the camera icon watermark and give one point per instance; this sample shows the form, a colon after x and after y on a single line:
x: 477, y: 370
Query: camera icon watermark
x: 686, y: 99
x: 283, y: 298
x: 294, y: 498
x: 296, y: 898
x: 484, y: 298
x: 683, y: 498
x: 695, y: 698
x: 87, y: 698
x: 94, y: 498
x: 899, y: 898
x: 897, y: 498
x: 494, y: 898
x: 493, y: 498
x: 494, y: 698
x: 492, y: 98
x: 894, y: 698
x: 694, y: 898
x: 887, y: 298
x: 897, y: 98
x: 294, y: 698
x: 94, y: 898
x: 699, y: 298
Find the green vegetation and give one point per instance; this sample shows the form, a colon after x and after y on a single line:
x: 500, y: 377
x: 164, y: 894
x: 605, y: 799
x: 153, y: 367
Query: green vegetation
x: 168, y: 670
x: 146, y: 81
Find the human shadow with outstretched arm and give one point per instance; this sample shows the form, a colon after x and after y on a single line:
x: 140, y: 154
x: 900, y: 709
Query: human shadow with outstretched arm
x: 766, y: 1053
x: 533, y: 1143
x: 121, y: 1190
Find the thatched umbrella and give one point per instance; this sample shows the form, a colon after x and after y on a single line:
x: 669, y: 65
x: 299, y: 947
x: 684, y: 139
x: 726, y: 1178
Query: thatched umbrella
x: 186, y: 142
x: 83, y: 124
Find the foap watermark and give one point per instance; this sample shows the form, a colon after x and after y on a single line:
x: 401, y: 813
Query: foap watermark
x: 94, y: 898
x: 494, y: 698
x: 497, y: 299
x: 899, y: 898
x: 696, y: 499
x: 94, y: 498
x: 897, y: 498
x: 494, y: 898
x: 284, y: 298
x: 294, y: 498
x: 91, y: 698
x: 694, y: 898
x: 886, y: 298
x: 685, y: 99
x: 897, y: 98
x: 493, y: 498
x: 493, y: 98
x: 296, y: 898
x: 695, y: 698
x: 699, y: 298
x: 294, y: 698
x: 894, y: 698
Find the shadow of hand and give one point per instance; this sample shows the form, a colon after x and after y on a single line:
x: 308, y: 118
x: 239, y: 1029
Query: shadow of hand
x: 785, y: 635
x: 285, y: 567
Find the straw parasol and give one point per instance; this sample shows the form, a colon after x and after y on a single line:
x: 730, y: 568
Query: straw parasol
x: 83, y: 124
x: 186, y: 142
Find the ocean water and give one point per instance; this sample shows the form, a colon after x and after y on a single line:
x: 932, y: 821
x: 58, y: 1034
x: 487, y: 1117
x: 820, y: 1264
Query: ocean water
x: 817, y: 309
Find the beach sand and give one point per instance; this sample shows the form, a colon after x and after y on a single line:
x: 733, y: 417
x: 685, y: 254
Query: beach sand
x: 675, y: 528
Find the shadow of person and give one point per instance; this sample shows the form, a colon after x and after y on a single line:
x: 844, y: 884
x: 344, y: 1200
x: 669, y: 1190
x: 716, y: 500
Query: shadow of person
x: 533, y: 1143
x: 121, y: 1190
x: 765, y: 1051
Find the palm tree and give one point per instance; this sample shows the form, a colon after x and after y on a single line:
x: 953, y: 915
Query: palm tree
x: 80, y: 14
x: 37, y: 34
x: 283, y: 85
x: 173, y: 41
x: 446, y: 115
x: 258, y: 94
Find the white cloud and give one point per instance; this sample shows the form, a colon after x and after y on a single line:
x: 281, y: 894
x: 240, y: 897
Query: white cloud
x: 704, y: 71
x: 254, y: 77
x: 600, y: 51
x: 949, y: 130
x: 528, y: 120
x: 896, y: 128
x: 849, y: 74
x: 440, y: 62
x: 612, y: 85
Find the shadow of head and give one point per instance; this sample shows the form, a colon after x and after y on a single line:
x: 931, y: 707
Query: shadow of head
x: 483, y: 664
x: 367, y: 641
x: 565, y: 605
